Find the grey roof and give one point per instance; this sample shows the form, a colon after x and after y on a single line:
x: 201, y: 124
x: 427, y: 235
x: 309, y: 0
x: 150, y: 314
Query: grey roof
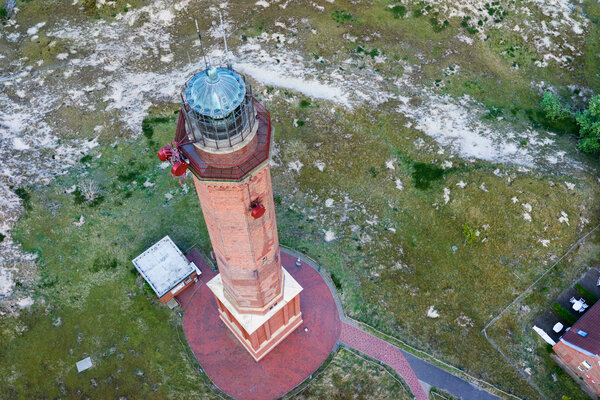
x: 215, y: 92
x: 163, y: 266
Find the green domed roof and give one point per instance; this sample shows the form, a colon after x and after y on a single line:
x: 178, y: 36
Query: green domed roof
x: 215, y: 92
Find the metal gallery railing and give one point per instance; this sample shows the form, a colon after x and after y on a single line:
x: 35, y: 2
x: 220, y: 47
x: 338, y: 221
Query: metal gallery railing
x: 228, y: 172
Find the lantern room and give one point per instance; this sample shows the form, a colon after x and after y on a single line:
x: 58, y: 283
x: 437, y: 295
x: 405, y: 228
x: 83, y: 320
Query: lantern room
x: 217, y: 109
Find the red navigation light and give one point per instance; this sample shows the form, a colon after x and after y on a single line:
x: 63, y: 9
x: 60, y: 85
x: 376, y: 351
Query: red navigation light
x: 165, y: 153
x: 257, y: 211
x: 179, y: 168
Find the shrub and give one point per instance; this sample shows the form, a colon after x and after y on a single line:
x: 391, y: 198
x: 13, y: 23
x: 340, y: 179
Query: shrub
x: 25, y: 196
x: 398, y: 11
x: 103, y: 263
x: 552, y: 107
x: 589, y: 126
x: 336, y: 282
x: 341, y: 16
x: 564, y: 314
x: 587, y: 295
x: 147, y: 128
x: 424, y: 174
x: 3, y: 13
x: 469, y: 233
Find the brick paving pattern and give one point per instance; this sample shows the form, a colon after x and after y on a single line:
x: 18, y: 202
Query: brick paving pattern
x: 228, y: 364
x: 382, y: 351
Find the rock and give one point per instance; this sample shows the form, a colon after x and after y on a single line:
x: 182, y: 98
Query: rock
x: 432, y: 312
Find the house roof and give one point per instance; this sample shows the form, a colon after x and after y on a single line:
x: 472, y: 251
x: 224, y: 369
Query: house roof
x: 163, y: 266
x: 590, y: 324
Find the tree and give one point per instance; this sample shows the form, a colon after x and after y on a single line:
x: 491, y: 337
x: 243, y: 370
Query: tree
x: 589, y: 126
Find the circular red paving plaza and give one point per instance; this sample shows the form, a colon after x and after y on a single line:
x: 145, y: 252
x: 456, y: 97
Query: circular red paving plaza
x: 231, y: 367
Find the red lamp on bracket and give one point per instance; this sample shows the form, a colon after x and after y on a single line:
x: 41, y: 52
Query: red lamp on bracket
x: 174, y: 156
x: 165, y: 153
x: 179, y: 168
x: 257, y: 210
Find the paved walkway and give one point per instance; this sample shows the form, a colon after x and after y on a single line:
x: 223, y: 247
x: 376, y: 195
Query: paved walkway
x: 442, y: 379
x: 382, y: 351
x: 416, y: 370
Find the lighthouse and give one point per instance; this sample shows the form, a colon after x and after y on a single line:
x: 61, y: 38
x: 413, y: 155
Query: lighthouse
x: 223, y: 138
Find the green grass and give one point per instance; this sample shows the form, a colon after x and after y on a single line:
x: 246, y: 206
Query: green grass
x: 564, y: 314
x: 393, y: 256
x: 389, y: 279
x: 87, y: 282
x: 587, y: 295
x: 350, y: 376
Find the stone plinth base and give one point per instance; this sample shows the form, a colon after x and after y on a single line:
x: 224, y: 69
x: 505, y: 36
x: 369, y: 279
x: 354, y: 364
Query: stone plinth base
x: 259, y: 334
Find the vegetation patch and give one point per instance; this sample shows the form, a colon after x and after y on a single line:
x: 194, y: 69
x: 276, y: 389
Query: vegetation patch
x: 587, y: 295
x: 342, y: 16
x: 424, y: 174
x: 398, y: 11
x: 353, y: 376
x: 564, y: 314
x: 587, y: 119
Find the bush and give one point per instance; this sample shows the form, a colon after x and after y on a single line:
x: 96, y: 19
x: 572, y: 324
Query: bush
x: 589, y: 127
x: 552, y: 107
x: 469, y: 233
x: 398, y: 11
x: 588, y: 120
x: 564, y: 314
x: 342, y: 16
x: 336, y: 282
x: 424, y: 174
x: 103, y: 263
x: 3, y: 13
x: 587, y: 295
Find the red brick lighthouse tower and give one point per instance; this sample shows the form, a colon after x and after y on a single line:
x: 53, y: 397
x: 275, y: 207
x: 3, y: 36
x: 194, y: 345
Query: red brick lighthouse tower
x: 224, y: 137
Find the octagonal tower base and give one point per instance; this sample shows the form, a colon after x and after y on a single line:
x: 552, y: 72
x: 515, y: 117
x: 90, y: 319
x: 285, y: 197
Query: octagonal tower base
x: 260, y: 333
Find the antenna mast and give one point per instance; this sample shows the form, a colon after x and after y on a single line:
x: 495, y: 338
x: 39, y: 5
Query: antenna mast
x: 201, y: 45
x: 227, y: 60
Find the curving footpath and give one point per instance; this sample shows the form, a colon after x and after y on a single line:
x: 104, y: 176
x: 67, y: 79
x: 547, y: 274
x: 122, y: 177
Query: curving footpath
x: 410, y: 367
x: 383, y: 351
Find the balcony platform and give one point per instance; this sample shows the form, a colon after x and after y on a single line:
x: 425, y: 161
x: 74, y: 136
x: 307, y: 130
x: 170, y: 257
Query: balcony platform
x: 207, y: 170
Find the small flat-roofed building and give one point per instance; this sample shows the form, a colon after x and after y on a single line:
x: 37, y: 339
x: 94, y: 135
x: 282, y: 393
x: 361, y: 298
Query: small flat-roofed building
x: 166, y: 269
x: 579, y: 347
